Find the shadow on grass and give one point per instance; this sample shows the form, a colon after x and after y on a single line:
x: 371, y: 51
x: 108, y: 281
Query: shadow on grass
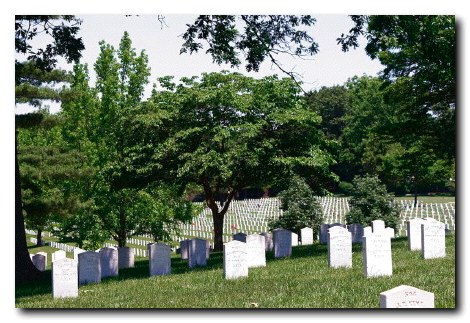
x: 179, y: 266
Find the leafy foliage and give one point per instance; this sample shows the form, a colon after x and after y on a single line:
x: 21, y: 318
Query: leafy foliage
x: 300, y: 208
x: 257, y: 37
x: 225, y: 132
x: 63, y: 31
x: 370, y: 201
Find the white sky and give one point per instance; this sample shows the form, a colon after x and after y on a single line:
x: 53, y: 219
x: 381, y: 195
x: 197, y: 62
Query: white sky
x: 335, y: 68
x: 331, y: 66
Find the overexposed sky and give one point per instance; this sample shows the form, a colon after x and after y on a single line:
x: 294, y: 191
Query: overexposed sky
x: 162, y: 43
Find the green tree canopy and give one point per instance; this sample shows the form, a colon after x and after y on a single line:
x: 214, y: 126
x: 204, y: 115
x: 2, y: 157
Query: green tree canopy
x: 225, y: 132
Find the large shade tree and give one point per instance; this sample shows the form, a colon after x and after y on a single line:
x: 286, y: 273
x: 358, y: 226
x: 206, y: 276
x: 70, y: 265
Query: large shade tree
x: 65, y: 43
x: 224, y: 132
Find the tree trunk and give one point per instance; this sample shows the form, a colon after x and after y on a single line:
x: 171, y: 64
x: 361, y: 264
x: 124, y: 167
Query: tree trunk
x: 39, y: 238
x: 218, y: 231
x: 25, y: 271
x: 218, y: 216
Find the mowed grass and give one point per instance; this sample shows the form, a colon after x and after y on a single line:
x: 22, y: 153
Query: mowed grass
x: 301, y: 281
x: 429, y: 198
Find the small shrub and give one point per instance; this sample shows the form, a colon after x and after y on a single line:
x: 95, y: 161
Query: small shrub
x: 370, y: 201
x: 300, y: 208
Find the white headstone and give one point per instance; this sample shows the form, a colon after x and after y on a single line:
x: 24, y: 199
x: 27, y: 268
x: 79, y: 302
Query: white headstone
x: 184, y: 248
x: 390, y: 232
x: 295, y: 239
x: 109, y: 262
x: 235, y: 260
x: 367, y: 231
x: 406, y: 297
x: 339, y: 247
x: 64, y: 278
x: 357, y: 232
x: 197, y: 253
x: 378, y: 226
x: 256, y: 254
x: 377, y: 255
x: 282, y: 240
x: 76, y: 252
x: 240, y: 236
x: 268, y: 238
x: 39, y: 261
x: 125, y: 257
x: 89, y: 267
x: 159, y: 259
x: 59, y: 254
x: 306, y: 236
x: 433, y: 239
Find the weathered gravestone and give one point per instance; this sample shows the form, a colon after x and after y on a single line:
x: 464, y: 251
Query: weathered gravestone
x: 406, y: 297
x: 109, y: 262
x: 125, y: 257
x: 39, y: 261
x: 240, y: 236
x: 378, y: 226
x: 89, y: 267
x: 306, y: 236
x: 433, y: 239
x: 184, y: 247
x: 197, y: 253
x: 357, y: 232
x: 282, y: 240
x: 295, y: 239
x: 377, y: 255
x: 367, y: 231
x: 256, y: 255
x: 59, y: 254
x: 235, y: 260
x: 268, y: 238
x: 159, y: 259
x: 339, y: 247
x: 64, y: 278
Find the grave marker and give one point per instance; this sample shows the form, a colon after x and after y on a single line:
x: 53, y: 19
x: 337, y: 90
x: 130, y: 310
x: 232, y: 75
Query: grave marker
x: 39, y: 261
x: 357, y: 232
x: 406, y: 297
x: 125, y: 257
x: 59, y: 254
x: 282, y: 240
x: 64, y: 278
x: 159, y: 259
x: 268, y: 238
x: 339, y: 247
x: 89, y: 267
x: 197, y: 253
x: 306, y: 236
x: 235, y: 260
x: 295, y: 239
x: 109, y: 262
x: 256, y: 255
x: 184, y: 247
x: 378, y: 226
x: 377, y: 255
x: 433, y: 239
x: 240, y: 236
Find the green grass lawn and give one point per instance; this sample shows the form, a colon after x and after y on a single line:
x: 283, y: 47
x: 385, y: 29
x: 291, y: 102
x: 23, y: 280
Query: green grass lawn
x: 301, y: 281
x: 429, y: 199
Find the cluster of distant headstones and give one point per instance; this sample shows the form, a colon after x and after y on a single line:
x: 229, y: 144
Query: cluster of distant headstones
x: 248, y: 251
